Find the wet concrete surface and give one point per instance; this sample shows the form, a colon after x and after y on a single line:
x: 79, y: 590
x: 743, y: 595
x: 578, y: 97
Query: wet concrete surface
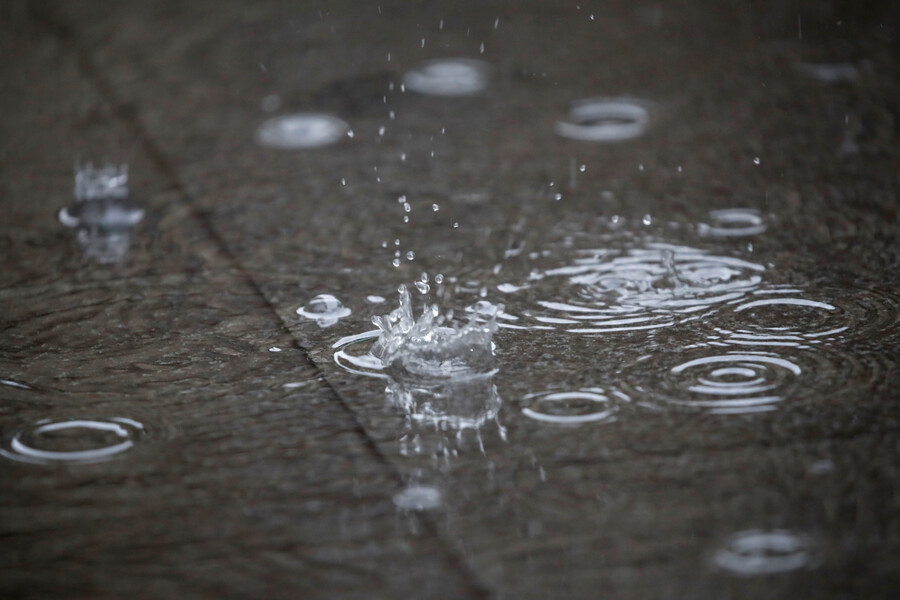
x: 261, y: 472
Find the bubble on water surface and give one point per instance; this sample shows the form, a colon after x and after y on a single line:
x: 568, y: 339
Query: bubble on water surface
x: 733, y: 222
x: 760, y: 552
x: 73, y: 441
x: 418, y: 497
x: 301, y: 131
x: 586, y: 405
x: 448, y: 77
x: 605, y: 120
x: 324, y: 309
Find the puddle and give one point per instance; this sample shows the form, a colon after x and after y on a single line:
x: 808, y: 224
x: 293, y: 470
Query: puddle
x: 759, y: 552
x: 448, y: 77
x: 605, y: 120
x: 324, y: 309
x: 73, y: 441
x: 301, y: 131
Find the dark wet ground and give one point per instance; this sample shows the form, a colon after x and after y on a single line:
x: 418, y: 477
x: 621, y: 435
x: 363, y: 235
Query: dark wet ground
x: 260, y: 473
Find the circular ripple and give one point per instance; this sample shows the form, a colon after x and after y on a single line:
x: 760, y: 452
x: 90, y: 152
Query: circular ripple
x: 587, y: 405
x: 758, y: 552
x: 300, y: 131
x: 73, y: 441
x: 448, y: 77
x: 807, y: 318
x: 733, y: 222
x: 735, y: 382
x: 605, y: 120
x: 656, y: 285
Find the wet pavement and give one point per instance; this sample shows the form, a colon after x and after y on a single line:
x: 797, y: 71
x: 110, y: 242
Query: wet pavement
x: 687, y: 211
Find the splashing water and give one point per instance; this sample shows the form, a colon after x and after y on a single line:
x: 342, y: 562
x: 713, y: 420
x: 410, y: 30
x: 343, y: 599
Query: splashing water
x: 73, y: 441
x: 605, y: 120
x: 449, y: 77
x: 432, y: 346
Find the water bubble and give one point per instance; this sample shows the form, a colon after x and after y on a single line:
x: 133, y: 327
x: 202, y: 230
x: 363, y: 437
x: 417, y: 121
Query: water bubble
x: 301, y: 131
x: 73, y: 441
x: 418, y: 497
x: 605, y: 120
x: 324, y: 309
x: 760, y: 552
x: 586, y: 405
x: 733, y: 222
x: 448, y: 77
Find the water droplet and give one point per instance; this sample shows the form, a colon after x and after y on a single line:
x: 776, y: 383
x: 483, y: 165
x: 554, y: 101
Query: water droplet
x: 396, y: 262
x: 397, y: 240
x: 406, y: 218
x: 647, y: 220
x: 349, y: 133
x: 435, y: 207
x: 641, y: 167
x: 391, y: 115
x: 733, y: 222
x: 274, y: 349
x: 423, y: 277
x: 375, y: 299
x: 402, y: 157
x: 73, y: 441
x: 482, y: 48
x: 439, y: 279
x: 324, y: 309
x: 418, y: 497
x: 557, y: 197
x: 455, y: 225
x: 423, y: 287
x: 582, y: 168
x: 343, y: 181
x: 756, y: 161
x: 407, y: 207
x: 449, y: 77
x: 410, y: 255
x: 301, y: 131
x: 381, y: 130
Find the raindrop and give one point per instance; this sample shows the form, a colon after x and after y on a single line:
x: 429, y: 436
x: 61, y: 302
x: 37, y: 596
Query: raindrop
x: 582, y: 168
x: 647, y: 220
x: 324, y: 309
x: 435, y: 207
x: 396, y: 262
x: 756, y: 160
x: 557, y: 197
x: 439, y: 279
x: 73, y: 441
x: 301, y: 131
x: 410, y: 255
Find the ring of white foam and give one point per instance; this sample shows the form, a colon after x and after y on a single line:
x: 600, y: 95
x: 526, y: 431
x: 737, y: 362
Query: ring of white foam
x: 733, y: 222
x: 592, y: 395
x: 605, y: 120
x: 300, y: 131
x: 757, y: 552
x: 127, y: 429
x: 448, y: 77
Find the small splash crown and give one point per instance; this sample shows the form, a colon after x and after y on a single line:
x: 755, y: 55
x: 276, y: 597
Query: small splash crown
x: 106, y: 182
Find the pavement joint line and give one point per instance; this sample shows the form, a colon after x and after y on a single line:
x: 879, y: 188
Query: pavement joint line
x: 130, y: 119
